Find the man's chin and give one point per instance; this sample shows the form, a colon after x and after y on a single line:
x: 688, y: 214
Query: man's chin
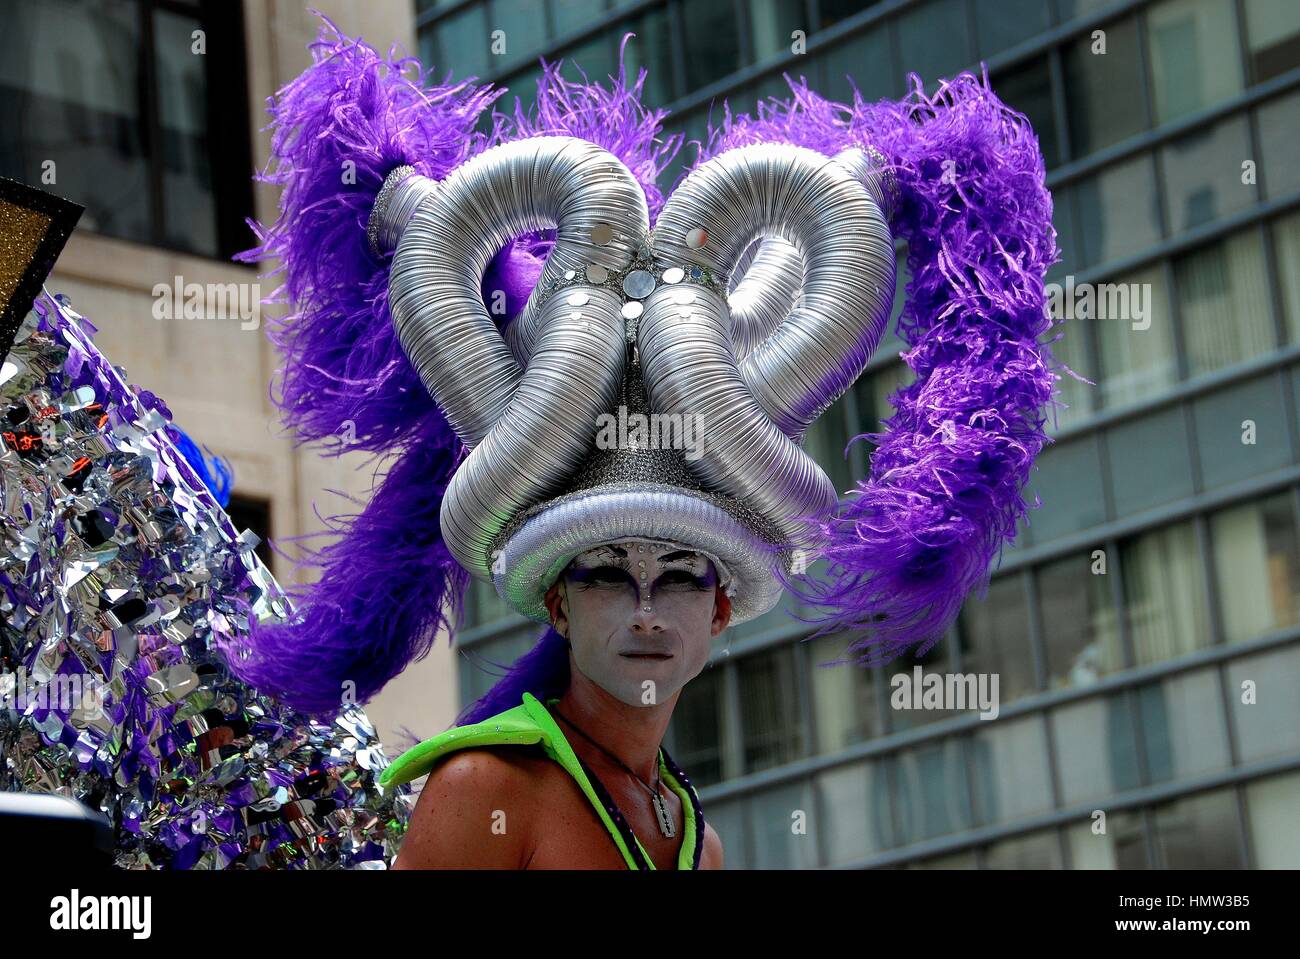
x: 632, y: 691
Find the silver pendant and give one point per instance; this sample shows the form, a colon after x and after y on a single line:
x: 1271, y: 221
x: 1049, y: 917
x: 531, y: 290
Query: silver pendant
x: 666, y: 825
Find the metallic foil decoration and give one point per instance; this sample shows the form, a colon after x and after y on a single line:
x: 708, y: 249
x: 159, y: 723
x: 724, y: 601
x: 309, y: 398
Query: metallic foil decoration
x: 754, y: 303
x: 120, y: 572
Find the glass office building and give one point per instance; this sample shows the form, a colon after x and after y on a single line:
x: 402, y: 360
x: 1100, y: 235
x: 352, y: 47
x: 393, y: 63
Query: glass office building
x: 1145, y: 628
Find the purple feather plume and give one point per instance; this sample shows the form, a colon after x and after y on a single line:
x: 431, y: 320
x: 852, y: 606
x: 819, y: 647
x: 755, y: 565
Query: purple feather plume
x: 611, y: 115
x: 388, y: 584
x: 388, y: 587
x: 340, y: 128
x: 911, y: 542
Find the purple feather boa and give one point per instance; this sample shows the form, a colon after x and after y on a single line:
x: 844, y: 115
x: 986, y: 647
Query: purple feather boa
x: 340, y: 128
x: 388, y: 587
x: 912, y: 541
x: 387, y: 584
x: 609, y: 115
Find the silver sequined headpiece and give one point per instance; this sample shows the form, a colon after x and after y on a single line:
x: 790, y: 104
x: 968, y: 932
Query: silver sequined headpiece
x: 658, y: 384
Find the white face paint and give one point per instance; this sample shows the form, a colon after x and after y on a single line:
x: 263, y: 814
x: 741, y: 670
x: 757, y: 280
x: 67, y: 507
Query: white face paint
x: 640, y: 618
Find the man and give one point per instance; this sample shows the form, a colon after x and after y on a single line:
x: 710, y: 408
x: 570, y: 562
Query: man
x: 638, y: 619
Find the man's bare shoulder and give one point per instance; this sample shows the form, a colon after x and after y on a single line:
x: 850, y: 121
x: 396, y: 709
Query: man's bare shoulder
x: 475, y: 810
x: 711, y: 854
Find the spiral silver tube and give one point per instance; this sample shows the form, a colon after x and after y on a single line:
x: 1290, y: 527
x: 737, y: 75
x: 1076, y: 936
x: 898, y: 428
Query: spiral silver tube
x: 765, y: 293
x: 569, y: 184
x: 816, y: 204
x: 574, y: 375
x: 684, y: 342
x: 528, y: 427
x: 768, y: 278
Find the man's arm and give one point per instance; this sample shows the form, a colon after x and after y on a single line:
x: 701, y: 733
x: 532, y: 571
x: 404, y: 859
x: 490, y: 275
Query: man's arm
x: 711, y: 854
x: 473, y: 813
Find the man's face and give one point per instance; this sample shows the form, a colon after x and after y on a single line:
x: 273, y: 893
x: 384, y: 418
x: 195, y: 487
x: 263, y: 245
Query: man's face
x: 639, y: 617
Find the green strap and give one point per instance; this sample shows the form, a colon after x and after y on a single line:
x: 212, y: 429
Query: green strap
x: 523, y: 725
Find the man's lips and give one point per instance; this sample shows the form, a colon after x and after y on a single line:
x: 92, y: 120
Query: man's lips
x: 643, y: 655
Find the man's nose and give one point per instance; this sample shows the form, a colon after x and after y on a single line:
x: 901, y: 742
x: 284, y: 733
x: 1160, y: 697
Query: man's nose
x: 645, y: 619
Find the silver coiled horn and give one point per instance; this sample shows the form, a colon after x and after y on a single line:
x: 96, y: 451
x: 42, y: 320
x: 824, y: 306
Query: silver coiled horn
x: 529, y: 427
x: 766, y: 282
x: 752, y: 412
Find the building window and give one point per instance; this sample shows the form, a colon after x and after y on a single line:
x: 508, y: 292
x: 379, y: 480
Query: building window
x: 862, y: 61
x: 697, y: 727
x: 769, y: 709
x: 1270, y: 807
x: 710, y: 41
x: 593, y: 59
x: 1118, y: 212
x: 1203, y: 175
x: 1164, y: 594
x: 1200, y: 832
x: 1102, y: 90
x: 570, y: 16
x: 1279, y: 145
x: 1182, y: 726
x: 772, y: 23
x: 833, y: 11
x: 874, y: 394
x: 1028, y: 88
x: 1257, y: 566
x: 1039, y: 850
x: 1080, y: 622
x: 934, y: 40
x: 1121, y: 846
x: 1286, y: 245
x: 902, y: 698
x: 1137, y: 352
x: 1223, y: 294
x: 459, y: 43
x: 483, y: 664
x: 1067, y: 479
x: 1267, y: 722
x: 1001, y: 24
x: 1159, y: 442
x: 1070, y: 350
x: 843, y: 696
x: 855, y: 803
x: 1241, y: 431
x: 1063, y: 221
x: 826, y: 441
x: 1012, y: 780
x: 137, y: 110
x: 651, y: 48
x: 931, y: 791
x: 1195, y: 56
x: 1273, y: 36
x: 1097, y: 748
x: 771, y: 815
x: 523, y: 23
x: 728, y: 821
x: 995, y: 637
x: 484, y: 605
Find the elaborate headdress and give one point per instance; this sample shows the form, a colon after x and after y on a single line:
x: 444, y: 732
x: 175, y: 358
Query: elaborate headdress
x: 479, y: 304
